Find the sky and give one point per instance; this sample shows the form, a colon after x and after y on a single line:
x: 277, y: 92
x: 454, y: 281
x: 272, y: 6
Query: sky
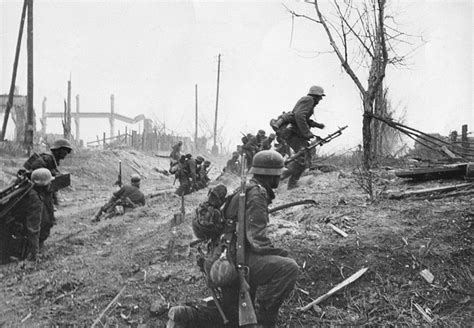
x: 151, y: 54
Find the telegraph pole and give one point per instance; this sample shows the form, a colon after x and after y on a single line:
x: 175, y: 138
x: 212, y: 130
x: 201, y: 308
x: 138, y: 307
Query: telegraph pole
x: 29, y: 114
x: 215, y: 150
x: 15, y: 67
x: 196, y: 115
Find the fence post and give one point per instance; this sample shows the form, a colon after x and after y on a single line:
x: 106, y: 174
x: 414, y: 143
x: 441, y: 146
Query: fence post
x: 464, y: 140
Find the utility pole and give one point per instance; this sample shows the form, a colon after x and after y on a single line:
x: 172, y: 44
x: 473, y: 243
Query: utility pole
x: 67, y: 114
x: 15, y: 67
x: 196, y: 122
x: 215, y: 150
x: 77, y: 121
x: 29, y: 114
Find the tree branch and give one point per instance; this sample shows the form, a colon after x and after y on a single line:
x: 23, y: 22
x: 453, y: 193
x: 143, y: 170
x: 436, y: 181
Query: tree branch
x: 344, y: 63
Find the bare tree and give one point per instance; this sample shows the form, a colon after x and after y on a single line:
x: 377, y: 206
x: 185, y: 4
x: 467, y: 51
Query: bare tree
x: 360, y: 36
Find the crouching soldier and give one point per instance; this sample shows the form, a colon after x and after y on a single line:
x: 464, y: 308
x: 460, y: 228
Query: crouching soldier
x: 269, y: 268
x: 129, y: 196
x: 20, y: 227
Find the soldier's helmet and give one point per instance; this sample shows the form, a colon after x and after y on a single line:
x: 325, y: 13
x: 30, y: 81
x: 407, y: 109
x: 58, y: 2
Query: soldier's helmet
x: 316, y: 90
x: 41, y: 177
x: 267, y: 162
x: 235, y: 154
x: 62, y: 143
x: 207, y: 163
x: 261, y: 132
x: 199, y: 159
x: 135, y: 179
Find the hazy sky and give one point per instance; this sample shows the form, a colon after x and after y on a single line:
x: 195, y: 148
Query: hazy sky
x: 150, y: 55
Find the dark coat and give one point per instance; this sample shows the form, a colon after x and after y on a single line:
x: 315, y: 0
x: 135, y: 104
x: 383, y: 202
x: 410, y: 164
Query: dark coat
x: 303, y: 110
x: 25, y: 226
x: 131, y: 192
x: 258, y: 198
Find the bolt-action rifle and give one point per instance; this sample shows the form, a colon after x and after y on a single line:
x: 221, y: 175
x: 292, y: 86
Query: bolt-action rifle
x: 119, y: 178
x: 318, y: 142
x: 246, y: 310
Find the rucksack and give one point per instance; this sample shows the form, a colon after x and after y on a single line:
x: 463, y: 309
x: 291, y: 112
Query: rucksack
x: 284, y: 125
x: 11, y: 195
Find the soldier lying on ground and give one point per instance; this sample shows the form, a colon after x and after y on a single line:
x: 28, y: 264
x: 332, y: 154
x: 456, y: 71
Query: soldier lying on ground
x: 20, y: 228
x: 129, y: 196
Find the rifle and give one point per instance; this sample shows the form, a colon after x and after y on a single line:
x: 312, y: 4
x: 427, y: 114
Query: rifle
x: 119, y: 178
x: 200, y: 263
x: 317, y: 143
x: 246, y: 310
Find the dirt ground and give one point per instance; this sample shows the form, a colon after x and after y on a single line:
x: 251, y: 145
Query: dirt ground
x: 85, y: 265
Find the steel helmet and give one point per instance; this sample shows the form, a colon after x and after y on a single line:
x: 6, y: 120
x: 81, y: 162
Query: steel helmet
x: 222, y: 271
x: 316, y: 90
x: 267, y: 162
x: 199, y: 159
x: 61, y: 143
x: 135, y: 178
x: 41, y: 176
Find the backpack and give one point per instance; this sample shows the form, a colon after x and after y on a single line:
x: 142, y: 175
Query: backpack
x: 284, y: 125
x: 11, y: 195
x: 211, y: 224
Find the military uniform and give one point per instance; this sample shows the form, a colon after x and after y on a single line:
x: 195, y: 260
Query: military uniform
x: 47, y: 161
x: 250, y: 148
x: 20, y: 237
x: 131, y: 192
x: 233, y: 164
x: 187, y: 176
x: 269, y: 267
x: 299, y: 138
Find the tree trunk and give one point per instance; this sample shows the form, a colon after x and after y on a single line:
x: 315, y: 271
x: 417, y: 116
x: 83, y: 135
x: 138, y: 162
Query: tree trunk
x: 366, y: 133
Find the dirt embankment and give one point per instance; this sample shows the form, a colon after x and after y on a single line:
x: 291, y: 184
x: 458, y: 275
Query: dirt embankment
x: 85, y: 265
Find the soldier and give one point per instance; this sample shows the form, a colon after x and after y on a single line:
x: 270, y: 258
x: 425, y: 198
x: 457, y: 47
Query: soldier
x: 20, y: 229
x: 261, y: 136
x: 204, y: 177
x: 175, y: 155
x: 282, y: 147
x: 129, y: 196
x: 299, y: 138
x: 269, y: 267
x: 267, y: 143
x: 186, y: 175
x: 251, y: 146
x: 233, y: 164
x: 60, y: 149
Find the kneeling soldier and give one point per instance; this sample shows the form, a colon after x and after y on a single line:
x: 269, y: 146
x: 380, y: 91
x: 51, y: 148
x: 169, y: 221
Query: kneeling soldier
x: 129, y: 196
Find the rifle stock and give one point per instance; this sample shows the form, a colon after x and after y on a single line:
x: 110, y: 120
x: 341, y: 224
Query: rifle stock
x: 317, y: 143
x: 246, y: 310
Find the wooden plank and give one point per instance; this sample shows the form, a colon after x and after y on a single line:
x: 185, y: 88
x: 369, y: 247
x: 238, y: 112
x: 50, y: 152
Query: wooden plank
x: 398, y: 195
x: 335, y: 289
x: 339, y: 231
